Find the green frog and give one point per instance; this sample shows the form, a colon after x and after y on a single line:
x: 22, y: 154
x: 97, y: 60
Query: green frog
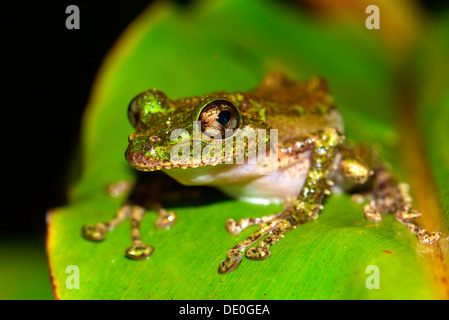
x: 221, y: 140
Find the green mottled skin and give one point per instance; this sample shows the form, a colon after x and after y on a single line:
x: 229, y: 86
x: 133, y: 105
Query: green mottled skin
x: 311, y: 156
x: 298, y: 108
x: 304, y: 113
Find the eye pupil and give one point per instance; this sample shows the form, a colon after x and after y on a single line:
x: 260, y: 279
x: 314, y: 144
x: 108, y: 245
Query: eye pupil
x: 224, y: 117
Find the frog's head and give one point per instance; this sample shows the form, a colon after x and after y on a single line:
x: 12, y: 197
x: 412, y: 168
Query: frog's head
x: 183, y: 128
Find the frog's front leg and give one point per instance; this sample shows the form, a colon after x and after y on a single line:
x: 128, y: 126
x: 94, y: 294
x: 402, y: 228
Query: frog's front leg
x: 134, y: 211
x: 235, y: 227
x: 324, y: 147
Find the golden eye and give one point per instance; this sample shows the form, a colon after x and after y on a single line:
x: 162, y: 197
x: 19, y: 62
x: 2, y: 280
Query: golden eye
x: 218, y: 116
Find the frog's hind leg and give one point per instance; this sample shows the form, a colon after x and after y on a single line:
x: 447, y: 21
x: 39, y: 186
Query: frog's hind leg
x: 388, y: 196
x: 391, y: 196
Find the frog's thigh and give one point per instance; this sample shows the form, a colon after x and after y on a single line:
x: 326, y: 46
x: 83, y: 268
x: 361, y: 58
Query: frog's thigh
x: 357, y: 164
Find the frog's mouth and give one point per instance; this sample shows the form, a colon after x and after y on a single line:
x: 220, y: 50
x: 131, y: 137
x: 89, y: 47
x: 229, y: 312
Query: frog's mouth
x: 147, y: 160
x: 145, y: 156
x: 142, y: 162
x: 146, y: 153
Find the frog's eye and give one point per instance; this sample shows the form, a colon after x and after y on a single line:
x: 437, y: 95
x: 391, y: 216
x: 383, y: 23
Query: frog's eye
x: 146, y: 105
x: 218, y: 116
x: 133, y: 113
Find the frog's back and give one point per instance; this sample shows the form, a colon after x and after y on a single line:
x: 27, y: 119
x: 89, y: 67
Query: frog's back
x: 296, y: 108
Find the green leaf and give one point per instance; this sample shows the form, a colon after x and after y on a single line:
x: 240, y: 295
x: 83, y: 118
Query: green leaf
x: 230, y: 45
x: 24, y: 267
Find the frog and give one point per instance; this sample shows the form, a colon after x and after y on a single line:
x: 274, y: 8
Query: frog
x: 309, y: 159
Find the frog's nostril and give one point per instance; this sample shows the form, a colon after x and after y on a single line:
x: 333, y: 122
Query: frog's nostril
x: 155, y: 139
x: 132, y: 136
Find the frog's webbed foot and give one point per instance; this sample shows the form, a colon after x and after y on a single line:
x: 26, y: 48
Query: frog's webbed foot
x: 276, y: 227
x: 273, y: 228
x: 98, y: 232
x: 404, y: 214
x: 390, y: 196
x: 236, y: 227
x: 267, y: 224
x: 386, y: 194
x: 134, y: 213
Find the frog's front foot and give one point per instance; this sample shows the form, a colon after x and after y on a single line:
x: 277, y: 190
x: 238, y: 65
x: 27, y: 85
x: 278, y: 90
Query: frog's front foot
x: 271, y: 227
x: 95, y: 233
x: 231, y: 263
x: 235, y: 227
x: 138, y: 250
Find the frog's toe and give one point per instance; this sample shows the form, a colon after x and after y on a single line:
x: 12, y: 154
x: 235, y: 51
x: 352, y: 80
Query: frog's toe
x: 408, y: 213
x: 258, y: 253
x: 230, y: 264
x: 165, y: 219
x: 233, y: 227
x: 429, y: 238
x: 372, y: 213
x: 94, y: 233
x: 139, y: 251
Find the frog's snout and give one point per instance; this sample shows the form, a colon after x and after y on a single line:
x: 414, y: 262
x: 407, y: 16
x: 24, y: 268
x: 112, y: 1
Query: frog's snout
x: 132, y: 136
x: 147, y: 152
x: 154, y: 140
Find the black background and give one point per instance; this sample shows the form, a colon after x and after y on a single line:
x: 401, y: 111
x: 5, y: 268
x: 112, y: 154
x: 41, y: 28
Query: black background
x: 48, y: 72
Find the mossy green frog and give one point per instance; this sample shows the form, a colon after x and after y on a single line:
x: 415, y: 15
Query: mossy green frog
x: 209, y: 140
